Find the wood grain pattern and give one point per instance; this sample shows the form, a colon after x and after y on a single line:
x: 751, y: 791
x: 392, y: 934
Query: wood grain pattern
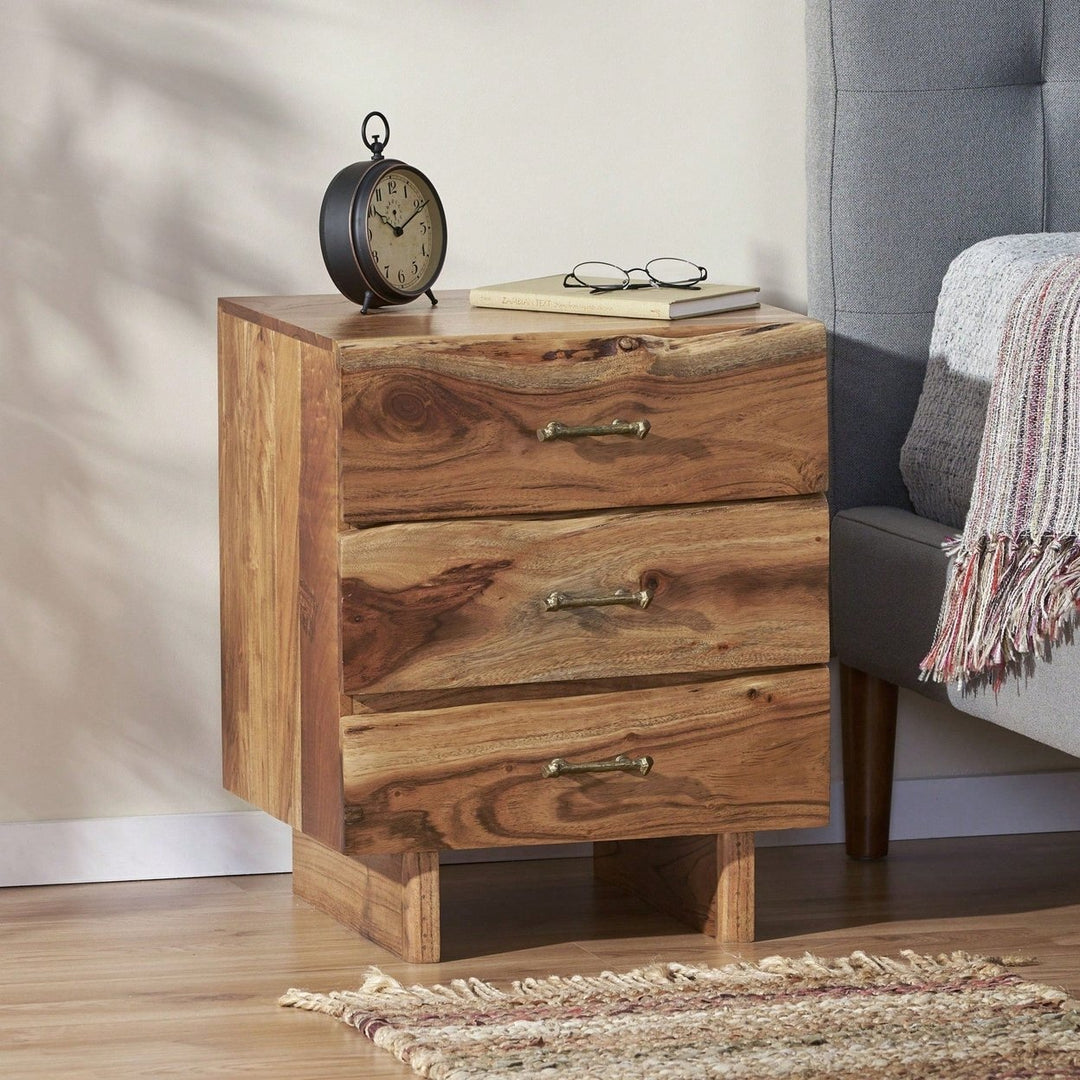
x: 259, y: 407
x: 461, y: 603
x: 706, y: 882
x: 318, y: 597
x: 446, y: 698
x: 393, y: 900
x: 280, y: 594
x: 735, y: 891
x: 678, y: 875
x: 737, y: 754
x: 448, y: 428
x: 328, y: 319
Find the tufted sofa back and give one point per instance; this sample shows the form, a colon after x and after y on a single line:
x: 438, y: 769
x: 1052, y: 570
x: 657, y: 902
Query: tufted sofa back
x: 931, y: 124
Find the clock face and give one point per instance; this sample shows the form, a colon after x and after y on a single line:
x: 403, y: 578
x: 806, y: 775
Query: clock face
x: 405, y: 230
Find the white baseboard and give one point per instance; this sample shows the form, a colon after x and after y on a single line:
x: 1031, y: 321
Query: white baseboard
x: 961, y: 806
x: 143, y: 848
x: 249, y: 842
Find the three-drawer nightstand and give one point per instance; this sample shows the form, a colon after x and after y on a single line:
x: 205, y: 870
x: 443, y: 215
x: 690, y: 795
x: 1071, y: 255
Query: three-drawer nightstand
x: 496, y: 578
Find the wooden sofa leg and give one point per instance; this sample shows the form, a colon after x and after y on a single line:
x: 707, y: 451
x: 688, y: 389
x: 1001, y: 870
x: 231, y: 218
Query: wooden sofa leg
x: 868, y: 724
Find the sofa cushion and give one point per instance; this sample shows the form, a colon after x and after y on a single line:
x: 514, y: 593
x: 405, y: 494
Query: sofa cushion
x: 888, y: 572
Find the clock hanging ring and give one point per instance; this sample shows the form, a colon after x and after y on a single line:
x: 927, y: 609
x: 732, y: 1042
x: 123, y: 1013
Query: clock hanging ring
x: 382, y: 228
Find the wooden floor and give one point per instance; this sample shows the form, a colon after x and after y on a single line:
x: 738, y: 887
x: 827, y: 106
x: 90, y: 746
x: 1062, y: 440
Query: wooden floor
x: 180, y: 978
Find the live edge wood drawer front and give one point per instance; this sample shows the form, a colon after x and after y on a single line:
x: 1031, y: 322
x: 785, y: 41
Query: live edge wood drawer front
x: 434, y: 429
x: 727, y: 587
x: 738, y: 754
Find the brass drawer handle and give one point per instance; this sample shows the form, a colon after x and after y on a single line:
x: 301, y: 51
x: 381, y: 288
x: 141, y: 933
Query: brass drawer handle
x: 556, y: 429
x: 556, y: 601
x: 621, y: 763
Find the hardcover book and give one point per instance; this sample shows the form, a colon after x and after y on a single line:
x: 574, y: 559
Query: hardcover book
x: 549, y: 294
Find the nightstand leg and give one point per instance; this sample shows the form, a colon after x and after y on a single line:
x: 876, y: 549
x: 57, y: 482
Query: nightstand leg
x: 392, y: 900
x: 735, y: 886
x: 706, y: 882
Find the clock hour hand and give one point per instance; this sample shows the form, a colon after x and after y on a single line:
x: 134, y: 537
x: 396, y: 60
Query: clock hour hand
x: 386, y: 221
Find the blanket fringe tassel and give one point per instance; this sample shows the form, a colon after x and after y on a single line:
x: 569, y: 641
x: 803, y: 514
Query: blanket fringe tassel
x: 1008, y: 601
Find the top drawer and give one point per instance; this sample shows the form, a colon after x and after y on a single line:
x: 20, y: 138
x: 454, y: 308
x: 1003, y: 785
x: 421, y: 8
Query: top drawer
x: 445, y: 428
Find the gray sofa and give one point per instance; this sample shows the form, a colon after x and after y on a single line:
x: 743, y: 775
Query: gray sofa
x: 931, y: 124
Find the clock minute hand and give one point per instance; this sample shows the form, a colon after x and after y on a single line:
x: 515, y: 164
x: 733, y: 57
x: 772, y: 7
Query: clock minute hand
x: 413, y: 214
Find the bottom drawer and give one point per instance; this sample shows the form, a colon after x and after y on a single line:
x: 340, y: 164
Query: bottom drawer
x: 734, y: 755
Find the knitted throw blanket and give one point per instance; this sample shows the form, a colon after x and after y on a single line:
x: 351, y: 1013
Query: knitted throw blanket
x: 1015, y: 584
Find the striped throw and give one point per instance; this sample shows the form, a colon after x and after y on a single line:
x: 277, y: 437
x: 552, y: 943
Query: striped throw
x: 1015, y: 582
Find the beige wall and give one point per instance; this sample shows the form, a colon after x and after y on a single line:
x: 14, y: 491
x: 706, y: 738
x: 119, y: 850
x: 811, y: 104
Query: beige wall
x: 159, y: 153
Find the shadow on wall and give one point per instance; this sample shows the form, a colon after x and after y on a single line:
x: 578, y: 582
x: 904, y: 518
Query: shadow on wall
x: 115, y: 206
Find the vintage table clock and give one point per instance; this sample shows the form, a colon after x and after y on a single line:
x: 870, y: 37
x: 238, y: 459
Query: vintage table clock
x: 382, y: 228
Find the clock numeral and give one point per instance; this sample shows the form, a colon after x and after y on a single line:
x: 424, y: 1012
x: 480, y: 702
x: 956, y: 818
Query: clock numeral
x: 423, y: 228
x: 401, y: 277
x: 391, y: 187
x: 374, y: 254
x: 378, y: 194
x: 424, y: 251
x: 370, y: 236
x: 386, y: 271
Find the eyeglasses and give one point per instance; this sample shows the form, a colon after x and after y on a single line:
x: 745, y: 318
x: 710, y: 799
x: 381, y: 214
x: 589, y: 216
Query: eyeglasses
x: 601, y: 277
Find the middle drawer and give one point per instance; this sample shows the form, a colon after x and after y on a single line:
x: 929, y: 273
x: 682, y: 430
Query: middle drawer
x: 501, y: 601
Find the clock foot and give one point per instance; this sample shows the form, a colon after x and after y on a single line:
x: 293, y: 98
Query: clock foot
x: 431, y: 296
x: 368, y: 297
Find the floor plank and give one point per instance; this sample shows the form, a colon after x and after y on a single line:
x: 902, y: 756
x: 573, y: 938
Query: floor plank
x: 180, y: 978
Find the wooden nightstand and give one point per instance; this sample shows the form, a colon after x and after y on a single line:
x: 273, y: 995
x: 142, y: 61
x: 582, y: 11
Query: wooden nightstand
x: 450, y: 622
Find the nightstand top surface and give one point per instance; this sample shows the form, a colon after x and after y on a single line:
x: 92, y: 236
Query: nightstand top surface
x: 329, y: 319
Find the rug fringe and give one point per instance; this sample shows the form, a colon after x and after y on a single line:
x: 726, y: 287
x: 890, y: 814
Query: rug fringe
x: 378, y: 987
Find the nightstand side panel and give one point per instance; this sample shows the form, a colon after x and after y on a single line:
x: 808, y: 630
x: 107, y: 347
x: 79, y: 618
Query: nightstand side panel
x: 319, y: 595
x: 259, y: 410
x: 280, y: 596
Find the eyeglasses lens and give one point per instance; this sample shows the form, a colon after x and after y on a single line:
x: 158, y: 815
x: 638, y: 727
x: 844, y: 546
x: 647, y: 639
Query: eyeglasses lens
x: 601, y: 275
x: 676, y: 272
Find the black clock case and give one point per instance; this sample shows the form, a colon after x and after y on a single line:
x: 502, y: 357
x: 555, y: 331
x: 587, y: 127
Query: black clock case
x: 341, y: 234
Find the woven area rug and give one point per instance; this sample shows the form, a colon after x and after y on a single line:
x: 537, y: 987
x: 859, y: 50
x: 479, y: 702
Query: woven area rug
x: 914, y: 1016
